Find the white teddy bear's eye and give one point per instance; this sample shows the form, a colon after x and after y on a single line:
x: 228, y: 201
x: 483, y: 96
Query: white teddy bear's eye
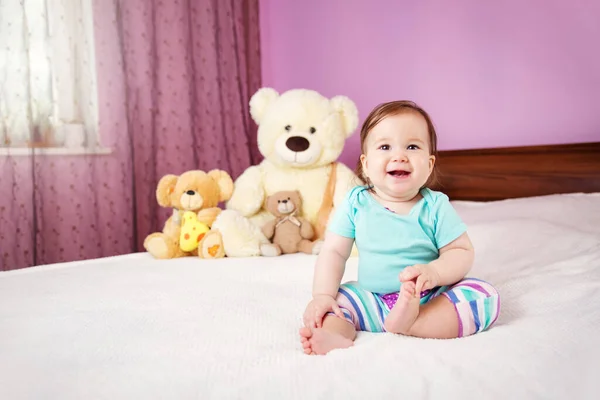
x: 288, y: 128
x: 313, y: 129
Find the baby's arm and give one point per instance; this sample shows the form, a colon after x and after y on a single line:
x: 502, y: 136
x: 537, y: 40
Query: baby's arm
x: 329, y: 270
x: 455, y: 260
x: 331, y: 264
x: 453, y: 264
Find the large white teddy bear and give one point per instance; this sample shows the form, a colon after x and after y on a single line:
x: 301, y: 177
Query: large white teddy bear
x: 301, y: 134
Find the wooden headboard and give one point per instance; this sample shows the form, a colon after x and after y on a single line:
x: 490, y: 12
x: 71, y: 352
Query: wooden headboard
x: 514, y: 172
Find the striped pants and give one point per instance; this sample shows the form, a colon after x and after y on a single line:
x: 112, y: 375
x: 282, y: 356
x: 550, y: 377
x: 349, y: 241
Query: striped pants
x: 476, y: 302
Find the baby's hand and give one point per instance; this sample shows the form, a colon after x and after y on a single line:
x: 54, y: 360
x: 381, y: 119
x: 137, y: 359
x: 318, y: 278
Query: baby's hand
x: 317, y: 308
x: 425, y: 277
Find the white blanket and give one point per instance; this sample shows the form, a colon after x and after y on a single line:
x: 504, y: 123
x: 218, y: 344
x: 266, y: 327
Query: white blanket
x: 132, y: 327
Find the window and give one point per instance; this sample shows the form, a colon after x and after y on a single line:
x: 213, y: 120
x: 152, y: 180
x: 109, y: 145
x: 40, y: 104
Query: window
x: 48, y: 88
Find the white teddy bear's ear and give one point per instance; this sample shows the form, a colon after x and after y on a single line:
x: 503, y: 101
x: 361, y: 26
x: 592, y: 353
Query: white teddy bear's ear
x: 348, y: 112
x: 260, y: 102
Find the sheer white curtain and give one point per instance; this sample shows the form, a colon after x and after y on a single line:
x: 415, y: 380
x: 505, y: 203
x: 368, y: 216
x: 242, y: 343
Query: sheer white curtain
x: 48, y: 94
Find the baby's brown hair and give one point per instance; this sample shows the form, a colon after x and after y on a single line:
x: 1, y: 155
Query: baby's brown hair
x: 388, y: 109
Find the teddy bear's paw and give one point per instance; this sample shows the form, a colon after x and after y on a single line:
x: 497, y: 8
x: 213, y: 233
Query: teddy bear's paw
x: 247, y: 202
x: 269, y: 250
x: 241, y: 238
x: 317, y: 246
x: 212, y: 246
x: 158, y: 248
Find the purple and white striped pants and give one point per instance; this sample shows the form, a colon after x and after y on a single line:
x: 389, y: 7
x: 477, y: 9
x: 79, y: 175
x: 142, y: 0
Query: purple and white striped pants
x: 476, y: 302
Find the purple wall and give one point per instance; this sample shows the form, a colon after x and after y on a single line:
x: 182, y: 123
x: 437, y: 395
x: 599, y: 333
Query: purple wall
x: 491, y: 74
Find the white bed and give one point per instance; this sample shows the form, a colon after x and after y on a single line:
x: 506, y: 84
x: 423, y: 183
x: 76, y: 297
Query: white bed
x: 133, y: 327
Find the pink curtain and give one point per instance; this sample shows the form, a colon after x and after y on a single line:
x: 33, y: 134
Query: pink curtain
x: 174, y: 81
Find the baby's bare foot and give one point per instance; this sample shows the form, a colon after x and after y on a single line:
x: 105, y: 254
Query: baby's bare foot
x: 405, y: 311
x: 321, y: 341
x: 305, y: 335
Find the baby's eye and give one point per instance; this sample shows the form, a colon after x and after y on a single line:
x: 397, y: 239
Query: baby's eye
x: 384, y: 147
x: 413, y: 147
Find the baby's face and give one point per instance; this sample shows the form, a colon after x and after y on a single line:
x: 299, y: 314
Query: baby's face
x: 397, y: 159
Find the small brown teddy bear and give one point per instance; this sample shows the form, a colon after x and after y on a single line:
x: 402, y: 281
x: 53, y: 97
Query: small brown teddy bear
x: 288, y: 232
x: 194, y: 197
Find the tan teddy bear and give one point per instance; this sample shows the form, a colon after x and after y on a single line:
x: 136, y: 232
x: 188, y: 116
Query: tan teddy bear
x: 194, y: 197
x: 288, y: 232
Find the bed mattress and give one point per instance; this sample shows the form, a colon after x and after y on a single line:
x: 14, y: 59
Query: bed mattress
x: 135, y: 327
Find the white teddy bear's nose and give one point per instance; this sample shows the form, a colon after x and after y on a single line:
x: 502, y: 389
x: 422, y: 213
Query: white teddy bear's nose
x: 297, y: 143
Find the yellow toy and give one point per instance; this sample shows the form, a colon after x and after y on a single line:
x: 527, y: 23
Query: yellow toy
x: 192, y: 231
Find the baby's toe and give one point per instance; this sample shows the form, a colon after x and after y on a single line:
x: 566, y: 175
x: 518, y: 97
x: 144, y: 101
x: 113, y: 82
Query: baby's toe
x: 305, y: 332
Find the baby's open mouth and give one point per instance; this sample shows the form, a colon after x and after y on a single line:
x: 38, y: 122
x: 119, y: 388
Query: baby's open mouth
x: 399, y: 173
